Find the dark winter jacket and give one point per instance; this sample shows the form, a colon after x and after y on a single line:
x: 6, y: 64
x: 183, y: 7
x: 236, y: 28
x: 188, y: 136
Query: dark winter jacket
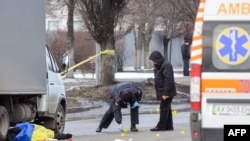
x: 185, y: 51
x: 164, y: 76
x: 123, y: 94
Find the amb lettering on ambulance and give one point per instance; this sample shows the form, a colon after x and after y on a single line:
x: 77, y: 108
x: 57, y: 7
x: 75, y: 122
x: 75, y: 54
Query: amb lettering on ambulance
x: 235, y: 8
x: 220, y: 68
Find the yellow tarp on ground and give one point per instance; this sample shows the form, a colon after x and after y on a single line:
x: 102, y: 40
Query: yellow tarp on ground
x: 41, y: 133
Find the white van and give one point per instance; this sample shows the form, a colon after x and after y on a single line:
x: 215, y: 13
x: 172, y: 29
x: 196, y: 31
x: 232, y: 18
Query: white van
x: 31, y: 86
x: 220, y: 68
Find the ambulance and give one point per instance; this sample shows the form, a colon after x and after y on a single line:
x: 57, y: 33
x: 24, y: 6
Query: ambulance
x: 220, y: 68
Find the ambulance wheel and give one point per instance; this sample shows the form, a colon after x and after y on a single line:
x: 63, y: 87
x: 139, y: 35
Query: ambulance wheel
x: 4, y: 123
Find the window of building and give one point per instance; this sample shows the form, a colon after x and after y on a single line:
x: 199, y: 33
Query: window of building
x: 78, y: 25
x: 53, y: 25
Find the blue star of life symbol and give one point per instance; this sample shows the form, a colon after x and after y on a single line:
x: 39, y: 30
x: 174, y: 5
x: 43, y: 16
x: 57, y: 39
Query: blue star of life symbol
x: 233, y: 45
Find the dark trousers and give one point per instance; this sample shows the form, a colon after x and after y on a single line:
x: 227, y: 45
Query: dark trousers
x: 166, y: 120
x: 186, y: 67
x: 109, y: 115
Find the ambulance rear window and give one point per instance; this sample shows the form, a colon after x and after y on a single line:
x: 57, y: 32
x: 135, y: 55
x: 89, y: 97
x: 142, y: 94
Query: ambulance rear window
x: 226, y: 46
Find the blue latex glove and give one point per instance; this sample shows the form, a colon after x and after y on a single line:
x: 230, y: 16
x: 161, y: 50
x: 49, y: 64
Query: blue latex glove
x: 135, y: 104
x: 121, y: 128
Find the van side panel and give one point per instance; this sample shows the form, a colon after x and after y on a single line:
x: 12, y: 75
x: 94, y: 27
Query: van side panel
x: 22, y: 40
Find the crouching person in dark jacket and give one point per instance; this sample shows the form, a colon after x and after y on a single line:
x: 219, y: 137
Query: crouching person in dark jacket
x: 122, y: 94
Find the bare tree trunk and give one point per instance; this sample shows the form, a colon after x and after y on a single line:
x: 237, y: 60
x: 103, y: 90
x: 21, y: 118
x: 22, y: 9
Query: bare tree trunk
x: 107, y: 63
x: 149, y: 31
x: 165, y: 45
x: 136, y: 58
x: 148, y: 37
x: 70, y: 35
x: 101, y: 18
x: 107, y: 71
x: 138, y: 50
x: 146, y: 55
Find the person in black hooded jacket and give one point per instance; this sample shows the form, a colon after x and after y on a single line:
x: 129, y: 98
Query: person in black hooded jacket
x: 165, y: 90
x: 185, y: 51
x: 122, y: 94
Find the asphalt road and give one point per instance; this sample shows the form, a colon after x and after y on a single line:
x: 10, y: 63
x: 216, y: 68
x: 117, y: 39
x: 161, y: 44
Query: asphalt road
x: 84, y: 130
x: 83, y: 124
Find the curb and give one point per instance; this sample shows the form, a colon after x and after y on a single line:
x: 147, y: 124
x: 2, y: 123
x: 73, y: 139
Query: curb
x: 82, y: 109
x: 79, y: 109
x: 99, y: 115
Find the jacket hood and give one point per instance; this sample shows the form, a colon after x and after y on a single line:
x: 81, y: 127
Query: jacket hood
x: 157, y: 57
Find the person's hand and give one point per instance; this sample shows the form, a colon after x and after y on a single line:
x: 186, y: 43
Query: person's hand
x: 135, y: 104
x: 121, y: 128
x: 164, y: 97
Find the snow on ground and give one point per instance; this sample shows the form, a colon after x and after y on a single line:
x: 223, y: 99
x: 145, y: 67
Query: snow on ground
x: 126, y: 75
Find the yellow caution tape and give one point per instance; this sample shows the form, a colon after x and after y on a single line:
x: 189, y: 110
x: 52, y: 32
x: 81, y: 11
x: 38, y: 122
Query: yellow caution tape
x: 105, y: 52
x: 108, y: 51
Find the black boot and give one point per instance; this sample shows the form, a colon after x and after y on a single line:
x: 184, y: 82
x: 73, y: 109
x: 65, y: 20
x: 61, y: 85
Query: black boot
x: 133, y: 128
x: 99, y: 129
